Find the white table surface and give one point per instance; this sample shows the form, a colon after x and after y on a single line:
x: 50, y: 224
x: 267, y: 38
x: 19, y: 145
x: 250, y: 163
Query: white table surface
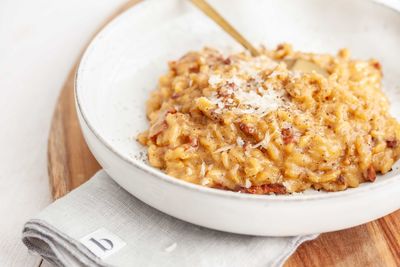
x: 39, y: 42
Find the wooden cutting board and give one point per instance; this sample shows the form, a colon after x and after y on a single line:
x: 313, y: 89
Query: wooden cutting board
x: 70, y: 163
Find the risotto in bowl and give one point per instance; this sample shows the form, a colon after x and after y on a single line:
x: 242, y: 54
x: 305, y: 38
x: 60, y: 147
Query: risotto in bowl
x: 282, y: 122
x: 287, y: 143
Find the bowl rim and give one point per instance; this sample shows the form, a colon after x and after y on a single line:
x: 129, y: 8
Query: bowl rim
x: 78, y: 87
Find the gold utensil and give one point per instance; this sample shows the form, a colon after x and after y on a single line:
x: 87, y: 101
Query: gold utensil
x: 226, y: 26
x: 295, y: 65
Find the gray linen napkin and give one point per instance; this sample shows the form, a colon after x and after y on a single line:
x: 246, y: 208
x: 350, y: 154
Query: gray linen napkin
x: 100, y: 224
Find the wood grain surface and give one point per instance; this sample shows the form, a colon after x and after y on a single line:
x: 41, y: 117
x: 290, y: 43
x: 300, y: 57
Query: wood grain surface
x: 70, y: 163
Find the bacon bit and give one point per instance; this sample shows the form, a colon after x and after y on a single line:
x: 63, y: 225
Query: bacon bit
x: 265, y: 189
x: 227, y: 61
x: 340, y: 180
x: 377, y: 65
x: 157, y: 129
x: 173, y: 66
x: 287, y: 135
x: 175, y: 95
x: 370, y: 174
x: 171, y: 110
x: 391, y: 143
x: 160, y: 125
x: 280, y: 47
x: 249, y: 130
x: 193, y: 141
x: 231, y: 85
x: 194, y: 69
x: 223, y: 93
x: 215, y: 116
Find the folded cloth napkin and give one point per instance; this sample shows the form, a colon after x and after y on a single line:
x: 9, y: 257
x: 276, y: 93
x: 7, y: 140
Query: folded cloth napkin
x: 100, y: 224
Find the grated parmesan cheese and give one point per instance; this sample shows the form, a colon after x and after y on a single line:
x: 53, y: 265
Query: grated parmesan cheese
x: 258, y: 104
x: 247, y: 95
x: 189, y: 171
x: 214, y: 80
x: 247, y: 183
x: 239, y: 141
x: 205, y: 181
x: 289, y: 185
x: 275, y: 74
x: 264, y: 142
x: 236, y: 81
x: 202, y: 169
x: 295, y: 74
x: 258, y: 63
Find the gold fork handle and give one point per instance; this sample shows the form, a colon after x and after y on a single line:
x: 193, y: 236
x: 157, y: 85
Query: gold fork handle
x: 215, y: 16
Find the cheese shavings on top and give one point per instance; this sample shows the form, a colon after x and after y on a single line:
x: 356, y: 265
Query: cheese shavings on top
x: 244, y: 91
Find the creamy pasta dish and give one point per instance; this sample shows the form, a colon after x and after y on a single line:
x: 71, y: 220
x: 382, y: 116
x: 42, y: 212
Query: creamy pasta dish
x: 281, y: 122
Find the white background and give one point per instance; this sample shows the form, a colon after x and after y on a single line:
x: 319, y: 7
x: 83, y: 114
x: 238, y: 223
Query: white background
x: 39, y: 42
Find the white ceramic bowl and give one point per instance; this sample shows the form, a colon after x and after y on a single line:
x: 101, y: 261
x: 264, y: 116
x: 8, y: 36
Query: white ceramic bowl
x: 123, y: 63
